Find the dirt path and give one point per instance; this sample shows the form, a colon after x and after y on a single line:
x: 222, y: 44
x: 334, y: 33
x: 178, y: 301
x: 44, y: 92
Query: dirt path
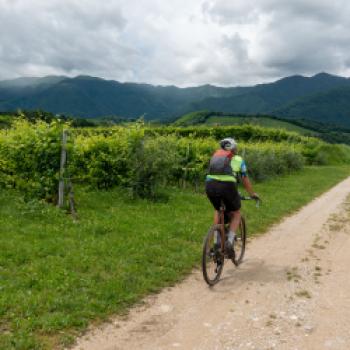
x: 292, y: 292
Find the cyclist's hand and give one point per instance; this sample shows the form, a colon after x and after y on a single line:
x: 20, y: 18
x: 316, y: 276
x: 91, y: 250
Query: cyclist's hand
x: 255, y: 196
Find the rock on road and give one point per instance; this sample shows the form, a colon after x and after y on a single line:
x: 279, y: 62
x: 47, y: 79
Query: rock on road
x: 291, y: 292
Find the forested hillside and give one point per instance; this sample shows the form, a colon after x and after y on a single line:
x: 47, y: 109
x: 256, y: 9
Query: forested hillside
x: 323, y: 97
x: 330, y: 107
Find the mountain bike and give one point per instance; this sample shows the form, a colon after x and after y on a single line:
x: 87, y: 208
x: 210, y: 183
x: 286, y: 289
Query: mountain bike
x: 214, y: 254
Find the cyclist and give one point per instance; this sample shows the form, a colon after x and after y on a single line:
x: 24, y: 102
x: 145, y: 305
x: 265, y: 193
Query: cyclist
x: 225, y: 170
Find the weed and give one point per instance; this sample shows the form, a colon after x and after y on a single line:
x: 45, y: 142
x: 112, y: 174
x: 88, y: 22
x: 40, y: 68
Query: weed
x: 335, y: 227
x: 303, y: 294
x: 293, y: 275
x: 318, y: 246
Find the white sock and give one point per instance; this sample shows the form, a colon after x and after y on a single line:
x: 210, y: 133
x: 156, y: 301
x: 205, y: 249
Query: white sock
x: 231, y: 236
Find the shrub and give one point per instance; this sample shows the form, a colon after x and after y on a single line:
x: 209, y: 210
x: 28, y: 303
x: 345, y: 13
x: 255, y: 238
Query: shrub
x: 126, y: 157
x: 105, y: 160
x: 268, y: 160
x: 30, y: 157
x: 152, y: 164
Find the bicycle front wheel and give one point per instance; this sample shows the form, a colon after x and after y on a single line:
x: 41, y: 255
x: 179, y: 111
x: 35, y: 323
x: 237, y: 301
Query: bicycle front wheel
x: 239, y: 244
x: 212, y: 258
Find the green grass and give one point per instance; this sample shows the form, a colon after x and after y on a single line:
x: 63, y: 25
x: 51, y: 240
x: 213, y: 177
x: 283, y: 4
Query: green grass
x: 57, y: 276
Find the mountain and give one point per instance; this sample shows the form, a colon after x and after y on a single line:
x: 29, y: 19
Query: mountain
x: 332, y: 106
x: 94, y: 97
x: 321, y: 97
x: 20, y: 87
x: 266, y: 98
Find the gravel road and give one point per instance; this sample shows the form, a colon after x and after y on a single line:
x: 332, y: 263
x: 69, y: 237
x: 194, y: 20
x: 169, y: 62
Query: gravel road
x: 291, y: 292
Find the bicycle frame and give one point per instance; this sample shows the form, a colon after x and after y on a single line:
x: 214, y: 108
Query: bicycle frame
x: 222, y: 219
x: 222, y: 226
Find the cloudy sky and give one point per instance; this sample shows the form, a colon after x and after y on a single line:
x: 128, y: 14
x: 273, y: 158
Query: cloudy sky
x: 180, y: 42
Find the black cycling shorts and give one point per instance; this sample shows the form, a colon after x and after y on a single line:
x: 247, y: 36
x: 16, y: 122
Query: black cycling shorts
x: 225, y: 191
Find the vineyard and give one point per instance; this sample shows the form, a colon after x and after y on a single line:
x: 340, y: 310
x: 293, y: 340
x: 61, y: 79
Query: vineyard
x: 144, y: 159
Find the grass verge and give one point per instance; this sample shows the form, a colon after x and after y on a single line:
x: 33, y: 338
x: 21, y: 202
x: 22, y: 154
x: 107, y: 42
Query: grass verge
x: 57, y: 276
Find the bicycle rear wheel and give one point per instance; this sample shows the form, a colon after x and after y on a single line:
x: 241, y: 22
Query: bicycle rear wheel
x: 212, y: 258
x: 239, y: 245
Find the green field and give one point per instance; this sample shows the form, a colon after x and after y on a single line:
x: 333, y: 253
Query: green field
x: 328, y: 132
x: 218, y: 118
x: 261, y: 121
x: 57, y: 276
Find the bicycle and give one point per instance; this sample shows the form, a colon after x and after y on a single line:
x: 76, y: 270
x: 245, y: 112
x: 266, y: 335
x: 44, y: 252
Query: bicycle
x: 214, y: 254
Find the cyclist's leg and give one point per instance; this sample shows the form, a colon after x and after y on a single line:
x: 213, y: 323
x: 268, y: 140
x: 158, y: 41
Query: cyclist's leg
x: 235, y: 220
x: 212, y: 190
x: 216, y: 217
x: 232, y: 202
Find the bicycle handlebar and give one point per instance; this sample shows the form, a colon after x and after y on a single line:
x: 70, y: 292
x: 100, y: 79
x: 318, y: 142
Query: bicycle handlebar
x: 248, y: 198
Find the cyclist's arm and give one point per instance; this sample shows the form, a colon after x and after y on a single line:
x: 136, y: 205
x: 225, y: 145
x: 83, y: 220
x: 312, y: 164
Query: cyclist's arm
x: 246, y: 182
x: 247, y: 185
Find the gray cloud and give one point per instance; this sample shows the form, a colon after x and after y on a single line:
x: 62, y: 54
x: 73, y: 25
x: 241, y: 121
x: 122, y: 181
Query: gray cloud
x: 248, y: 11
x: 229, y: 12
x: 65, y: 37
x: 185, y: 43
x: 237, y: 46
x: 291, y: 37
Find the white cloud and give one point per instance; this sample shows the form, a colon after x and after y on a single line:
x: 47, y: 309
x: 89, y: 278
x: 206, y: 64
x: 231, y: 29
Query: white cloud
x: 224, y: 42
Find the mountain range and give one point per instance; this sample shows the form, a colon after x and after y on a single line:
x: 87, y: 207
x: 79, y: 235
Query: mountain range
x: 322, y: 97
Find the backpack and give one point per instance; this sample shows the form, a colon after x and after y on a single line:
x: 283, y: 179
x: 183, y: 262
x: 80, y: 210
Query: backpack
x: 220, y: 163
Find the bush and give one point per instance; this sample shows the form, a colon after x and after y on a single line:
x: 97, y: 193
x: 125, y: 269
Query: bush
x: 332, y: 154
x: 30, y: 157
x: 321, y: 153
x: 152, y: 164
x: 268, y: 160
x: 126, y: 158
x: 105, y: 160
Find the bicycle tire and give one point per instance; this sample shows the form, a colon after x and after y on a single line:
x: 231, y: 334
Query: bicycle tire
x: 240, y: 242
x: 211, y: 256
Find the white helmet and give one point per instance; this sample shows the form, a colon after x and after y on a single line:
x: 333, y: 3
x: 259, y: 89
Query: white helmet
x: 228, y: 144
